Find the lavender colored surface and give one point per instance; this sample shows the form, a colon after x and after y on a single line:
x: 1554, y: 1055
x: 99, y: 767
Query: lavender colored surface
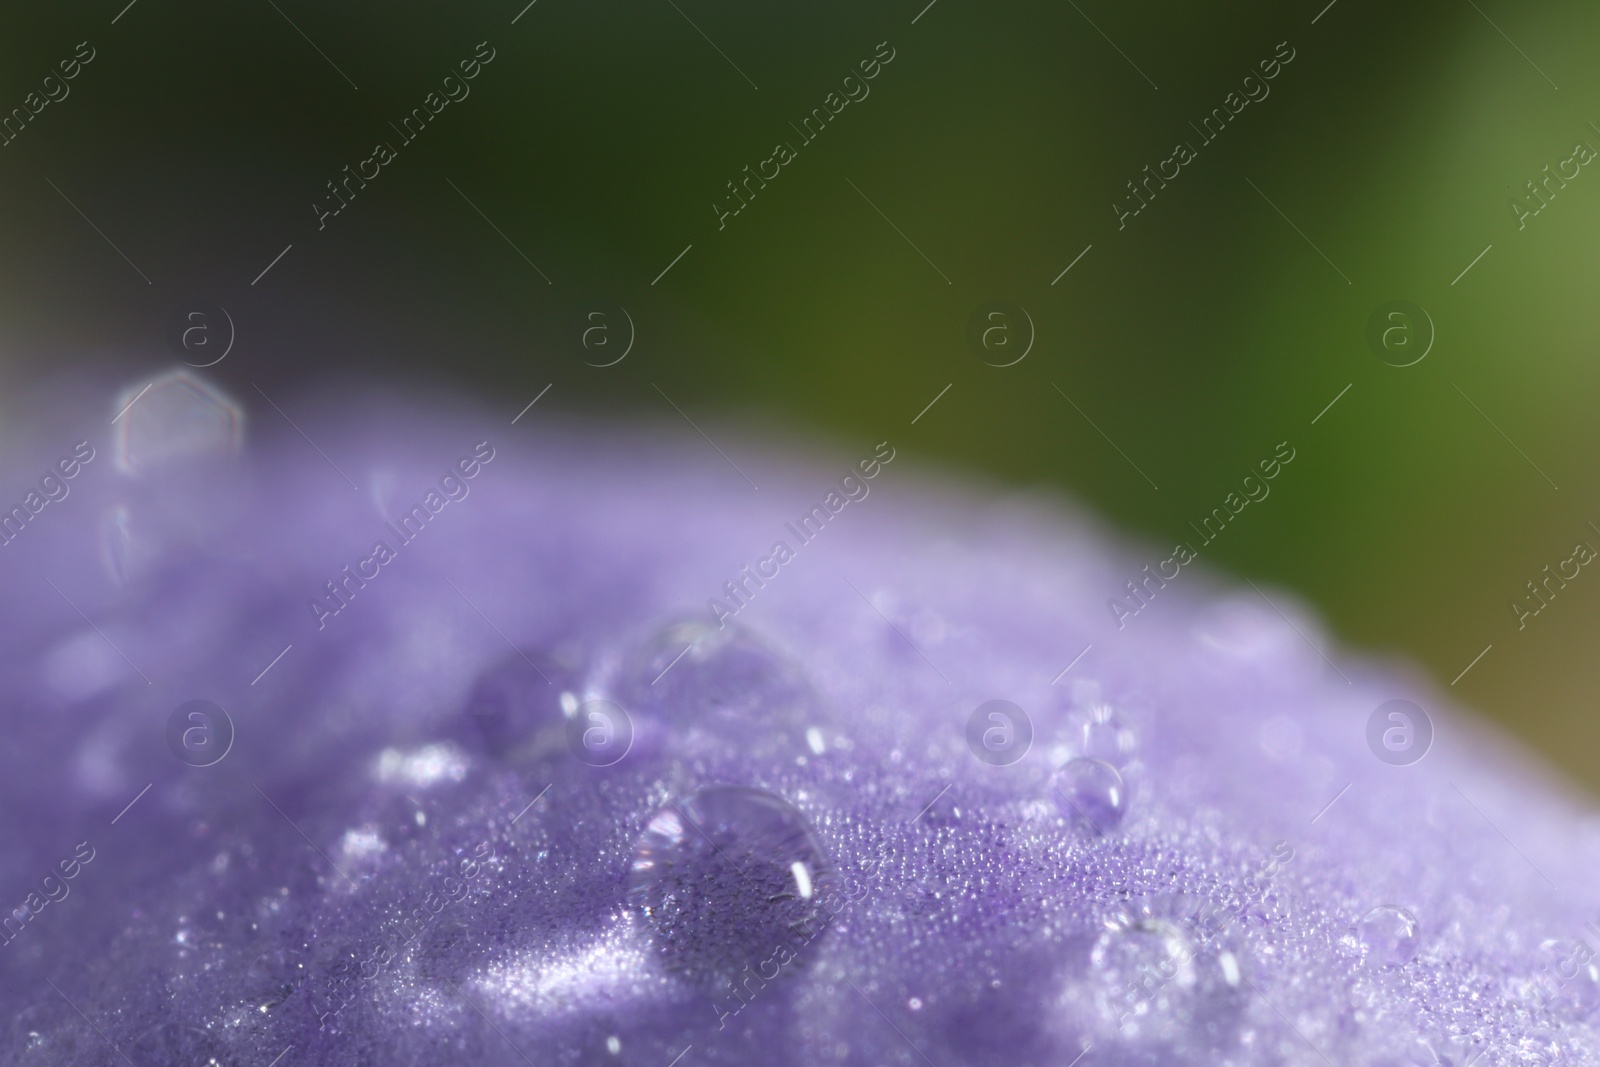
x: 250, y: 912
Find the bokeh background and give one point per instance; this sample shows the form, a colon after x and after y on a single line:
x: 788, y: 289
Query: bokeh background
x: 987, y: 158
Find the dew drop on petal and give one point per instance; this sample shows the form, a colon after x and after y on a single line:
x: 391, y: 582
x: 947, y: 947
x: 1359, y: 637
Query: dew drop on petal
x: 176, y: 419
x: 1388, y: 936
x: 730, y: 877
x: 1091, y: 794
x: 1578, y: 995
x: 1099, y: 732
x: 1144, y: 968
x: 693, y: 672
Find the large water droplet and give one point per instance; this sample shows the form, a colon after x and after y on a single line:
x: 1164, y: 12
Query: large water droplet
x: 731, y: 881
x: 1091, y: 793
x: 1388, y: 936
x: 177, y: 418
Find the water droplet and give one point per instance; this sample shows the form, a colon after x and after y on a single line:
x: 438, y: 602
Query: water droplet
x: 732, y: 882
x: 176, y: 419
x: 116, y: 544
x: 1282, y: 738
x: 1159, y: 976
x: 1245, y: 629
x: 915, y: 1003
x: 516, y: 703
x: 1147, y: 971
x: 1540, y: 1045
x: 693, y: 672
x: 1091, y: 793
x: 1388, y: 936
x: 1100, y: 733
x: 1570, y: 978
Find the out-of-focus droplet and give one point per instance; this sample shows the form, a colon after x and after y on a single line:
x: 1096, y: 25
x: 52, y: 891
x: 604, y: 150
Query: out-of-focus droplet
x: 422, y: 768
x: 731, y: 881
x: 83, y: 665
x: 1100, y: 732
x: 1160, y: 975
x: 176, y: 419
x: 1145, y: 969
x: 1282, y: 738
x: 1243, y: 628
x: 1540, y: 1046
x: 517, y: 702
x: 1570, y: 979
x: 1091, y: 794
x: 116, y: 544
x: 1388, y: 936
x: 691, y: 672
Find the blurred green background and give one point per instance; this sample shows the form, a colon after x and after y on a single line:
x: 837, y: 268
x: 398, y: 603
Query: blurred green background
x: 986, y: 158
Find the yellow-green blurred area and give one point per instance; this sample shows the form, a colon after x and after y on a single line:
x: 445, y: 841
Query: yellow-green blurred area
x: 992, y: 151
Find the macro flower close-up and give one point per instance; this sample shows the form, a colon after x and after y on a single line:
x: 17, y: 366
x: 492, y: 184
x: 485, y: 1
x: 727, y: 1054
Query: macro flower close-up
x: 470, y: 604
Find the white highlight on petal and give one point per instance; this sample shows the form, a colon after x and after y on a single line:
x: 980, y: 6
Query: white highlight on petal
x: 814, y: 739
x: 362, y: 843
x: 423, y: 767
x: 1230, y: 968
x: 612, y: 971
x: 802, y: 879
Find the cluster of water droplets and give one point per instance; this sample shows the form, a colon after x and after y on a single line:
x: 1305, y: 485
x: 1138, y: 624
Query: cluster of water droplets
x: 626, y: 842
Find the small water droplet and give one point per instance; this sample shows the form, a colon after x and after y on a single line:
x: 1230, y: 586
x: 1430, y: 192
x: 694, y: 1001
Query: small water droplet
x: 176, y: 419
x: 1388, y: 936
x: 1091, y: 793
x: 718, y: 878
x: 915, y: 1003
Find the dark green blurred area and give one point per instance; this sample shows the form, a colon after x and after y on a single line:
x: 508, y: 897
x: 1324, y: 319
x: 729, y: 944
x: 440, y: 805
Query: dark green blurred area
x: 1207, y: 330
